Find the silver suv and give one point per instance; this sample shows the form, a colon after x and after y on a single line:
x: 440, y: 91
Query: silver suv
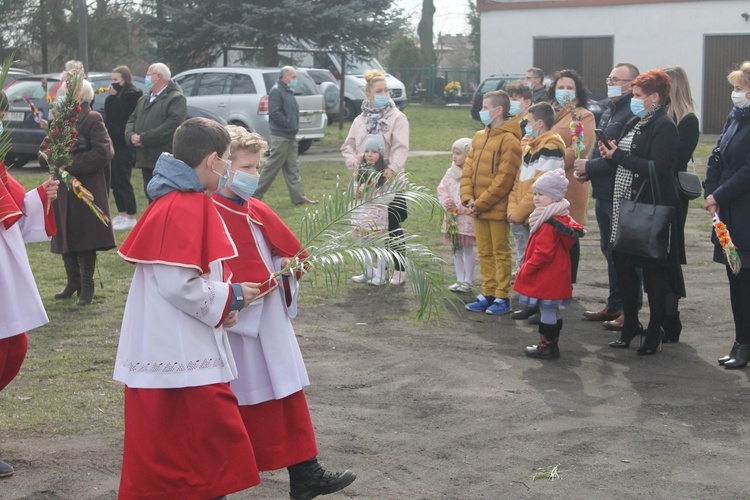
x: 240, y: 96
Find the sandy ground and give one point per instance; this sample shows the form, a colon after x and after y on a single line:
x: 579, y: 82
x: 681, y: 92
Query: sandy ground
x: 459, y: 411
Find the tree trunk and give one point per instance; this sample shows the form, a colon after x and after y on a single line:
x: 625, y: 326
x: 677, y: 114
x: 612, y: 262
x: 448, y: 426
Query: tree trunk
x: 270, y: 52
x: 424, y: 30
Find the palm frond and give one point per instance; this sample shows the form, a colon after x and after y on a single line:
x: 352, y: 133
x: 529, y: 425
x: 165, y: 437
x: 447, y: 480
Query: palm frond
x: 329, y: 238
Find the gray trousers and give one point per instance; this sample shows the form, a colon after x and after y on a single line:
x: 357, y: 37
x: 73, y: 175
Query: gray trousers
x: 283, y: 156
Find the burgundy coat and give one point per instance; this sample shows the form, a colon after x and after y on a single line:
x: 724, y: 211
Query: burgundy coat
x: 545, y: 272
x: 78, y: 229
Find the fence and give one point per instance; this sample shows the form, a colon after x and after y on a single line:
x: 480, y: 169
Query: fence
x: 428, y: 85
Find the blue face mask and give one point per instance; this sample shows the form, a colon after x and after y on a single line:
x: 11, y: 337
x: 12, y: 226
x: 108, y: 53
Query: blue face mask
x: 244, y: 184
x: 147, y: 81
x: 484, y: 115
x: 223, y: 178
x: 637, y: 107
x: 565, y: 96
x: 531, y: 132
x: 381, y: 101
x: 515, y: 108
x: 292, y: 83
x: 614, y: 91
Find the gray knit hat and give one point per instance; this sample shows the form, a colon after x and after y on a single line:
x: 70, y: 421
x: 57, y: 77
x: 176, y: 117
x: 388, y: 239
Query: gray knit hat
x: 463, y: 144
x: 375, y: 142
x: 553, y: 184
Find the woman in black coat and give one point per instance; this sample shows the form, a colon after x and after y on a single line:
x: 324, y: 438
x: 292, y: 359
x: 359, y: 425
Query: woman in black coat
x: 650, y: 136
x: 727, y: 188
x: 681, y: 108
x: 120, y: 103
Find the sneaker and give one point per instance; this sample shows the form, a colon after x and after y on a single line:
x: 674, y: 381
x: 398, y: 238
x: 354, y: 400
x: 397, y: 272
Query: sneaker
x: 499, y: 306
x: 399, y: 278
x: 464, y: 287
x: 479, y: 305
x: 309, y: 480
x: 362, y: 278
x: 5, y: 469
x: 455, y: 287
x: 124, y: 224
x: 377, y: 281
x: 117, y: 220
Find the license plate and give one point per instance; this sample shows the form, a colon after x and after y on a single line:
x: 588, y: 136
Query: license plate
x: 13, y: 116
x: 306, y: 119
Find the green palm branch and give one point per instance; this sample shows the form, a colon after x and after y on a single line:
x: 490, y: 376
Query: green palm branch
x: 329, y: 239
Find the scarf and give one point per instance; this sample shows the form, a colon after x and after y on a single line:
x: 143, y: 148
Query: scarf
x: 540, y: 215
x: 456, y: 172
x: 737, y: 115
x: 374, y: 117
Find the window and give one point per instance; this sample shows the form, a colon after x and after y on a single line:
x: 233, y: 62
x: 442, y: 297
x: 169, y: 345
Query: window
x: 243, y: 84
x: 187, y: 82
x: 213, y: 84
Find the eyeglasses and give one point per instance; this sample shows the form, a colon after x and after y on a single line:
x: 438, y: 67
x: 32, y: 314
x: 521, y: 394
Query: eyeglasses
x: 615, y: 80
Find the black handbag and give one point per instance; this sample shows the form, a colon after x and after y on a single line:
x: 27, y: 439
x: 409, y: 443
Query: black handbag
x: 689, y: 185
x: 643, y: 229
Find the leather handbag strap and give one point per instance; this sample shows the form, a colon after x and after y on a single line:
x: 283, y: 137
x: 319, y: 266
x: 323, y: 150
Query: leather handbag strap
x: 653, y: 181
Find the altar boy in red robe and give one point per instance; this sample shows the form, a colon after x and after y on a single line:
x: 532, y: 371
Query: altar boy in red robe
x: 184, y: 436
x: 271, y: 372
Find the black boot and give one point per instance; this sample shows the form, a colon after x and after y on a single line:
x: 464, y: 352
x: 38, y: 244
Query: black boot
x: 524, y: 313
x: 72, y: 270
x: 731, y: 354
x: 547, y: 347
x: 740, y: 359
x: 308, y: 480
x: 87, y: 263
x: 672, y: 328
x: 5, y: 470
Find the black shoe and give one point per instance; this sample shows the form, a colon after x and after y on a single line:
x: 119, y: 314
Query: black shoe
x: 672, y: 328
x: 524, y: 313
x: 740, y: 359
x: 543, y: 351
x: 731, y: 354
x: 308, y: 480
x: 535, y: 318
x: 625, y: 339
x: 651, y: 343
x: 5, y: 469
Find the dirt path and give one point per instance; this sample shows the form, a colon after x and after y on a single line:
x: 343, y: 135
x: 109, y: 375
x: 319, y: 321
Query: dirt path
x: 460, y: 412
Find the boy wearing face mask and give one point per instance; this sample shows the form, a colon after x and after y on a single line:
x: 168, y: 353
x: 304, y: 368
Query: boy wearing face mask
x: 520, y: 102
x: 271, y: 371
x: 543, y: 151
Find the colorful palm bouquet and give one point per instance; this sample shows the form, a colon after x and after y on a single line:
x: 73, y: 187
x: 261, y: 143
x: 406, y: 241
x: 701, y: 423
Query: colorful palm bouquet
x: 730, y: 251
x: 451, y: 230
x: 576, y: 130
x: 61, y: 136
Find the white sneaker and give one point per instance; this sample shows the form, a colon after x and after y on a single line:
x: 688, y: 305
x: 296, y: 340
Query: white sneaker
x: 399, y: 278
x: 455, y: 287
x: 464, y: 287
x: 362, y: 278
x: 124, y: 223
x: 117, y: 220
x: 377, y: 281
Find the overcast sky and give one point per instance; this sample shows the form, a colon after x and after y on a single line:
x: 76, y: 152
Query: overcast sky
x: 450, y: 15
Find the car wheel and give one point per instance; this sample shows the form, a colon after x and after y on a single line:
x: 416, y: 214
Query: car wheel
x: 17, y: 161
x: 350, y: 112
x: 303, y: 145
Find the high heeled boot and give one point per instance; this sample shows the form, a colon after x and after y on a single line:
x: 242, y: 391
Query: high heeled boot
x: 672, y: 328
x: 87, y: 263
x: 72, y: 270
x: 731, y: 354
x: 740, y: 359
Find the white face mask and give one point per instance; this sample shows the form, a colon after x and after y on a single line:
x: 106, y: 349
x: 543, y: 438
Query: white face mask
x: 614, y: 91
x: 740, y: 99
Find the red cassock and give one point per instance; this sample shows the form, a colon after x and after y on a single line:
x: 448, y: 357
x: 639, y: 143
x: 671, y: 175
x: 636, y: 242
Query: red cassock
x: 280, y: 429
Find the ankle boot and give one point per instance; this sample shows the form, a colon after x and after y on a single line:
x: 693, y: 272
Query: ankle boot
x: 731, y: 354
x: 309, y: 479
x: 547, y: 347
x: 87, y: 263
x: 740, y: 359
x: 672, y: 328
x: 72, y: 270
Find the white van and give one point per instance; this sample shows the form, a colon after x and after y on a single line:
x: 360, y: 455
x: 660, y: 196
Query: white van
x: 354, y: 88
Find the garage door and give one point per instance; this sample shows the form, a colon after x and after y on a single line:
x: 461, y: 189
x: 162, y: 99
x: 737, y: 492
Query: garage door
x: 721, y: 54
x: 591, y: 57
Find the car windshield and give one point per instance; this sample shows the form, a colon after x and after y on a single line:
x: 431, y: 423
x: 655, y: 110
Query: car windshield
x: 31, y: 88
x: 359, y: 67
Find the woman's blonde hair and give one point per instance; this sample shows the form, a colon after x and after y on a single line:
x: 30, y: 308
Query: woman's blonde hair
x: 244, y: 139
x: 681, y: 101
x: 372, y: 77
x: 740, y: 76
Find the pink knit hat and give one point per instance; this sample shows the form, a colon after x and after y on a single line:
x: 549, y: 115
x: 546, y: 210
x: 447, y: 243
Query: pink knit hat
x: 553, y: 184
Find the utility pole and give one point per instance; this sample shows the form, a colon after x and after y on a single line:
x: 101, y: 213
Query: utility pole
x: 83, y: 34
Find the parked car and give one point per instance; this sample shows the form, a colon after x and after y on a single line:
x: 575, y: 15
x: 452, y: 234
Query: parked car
x: 13, y: 75
x: 329, y: 87
x: 25, y: 133
x: 500, y: 82
x: 240, y: 96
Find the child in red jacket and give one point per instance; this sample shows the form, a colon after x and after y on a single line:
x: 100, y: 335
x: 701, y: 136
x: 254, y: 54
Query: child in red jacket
x: 545, y: 272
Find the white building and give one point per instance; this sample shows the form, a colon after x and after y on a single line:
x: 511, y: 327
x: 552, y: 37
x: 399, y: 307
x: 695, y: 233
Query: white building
x: 707, y: 38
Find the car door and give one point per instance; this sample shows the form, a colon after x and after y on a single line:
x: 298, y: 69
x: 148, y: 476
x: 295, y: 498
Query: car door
x: 312, y: 116
x: 212, y: 93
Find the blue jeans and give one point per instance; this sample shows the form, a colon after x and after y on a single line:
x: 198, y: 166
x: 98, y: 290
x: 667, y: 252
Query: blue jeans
x: 603, y: 211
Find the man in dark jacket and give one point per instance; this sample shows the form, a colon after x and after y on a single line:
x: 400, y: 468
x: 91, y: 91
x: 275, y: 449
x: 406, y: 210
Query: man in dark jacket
x: 283, y: 119
x: 599, y: 172
x: 156, y: 117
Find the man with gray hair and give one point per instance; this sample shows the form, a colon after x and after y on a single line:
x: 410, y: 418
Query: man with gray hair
x: 156, y: 116
x: 283, y: 119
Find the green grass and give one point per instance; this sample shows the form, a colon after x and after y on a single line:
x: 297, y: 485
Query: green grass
x: 65, y: 385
